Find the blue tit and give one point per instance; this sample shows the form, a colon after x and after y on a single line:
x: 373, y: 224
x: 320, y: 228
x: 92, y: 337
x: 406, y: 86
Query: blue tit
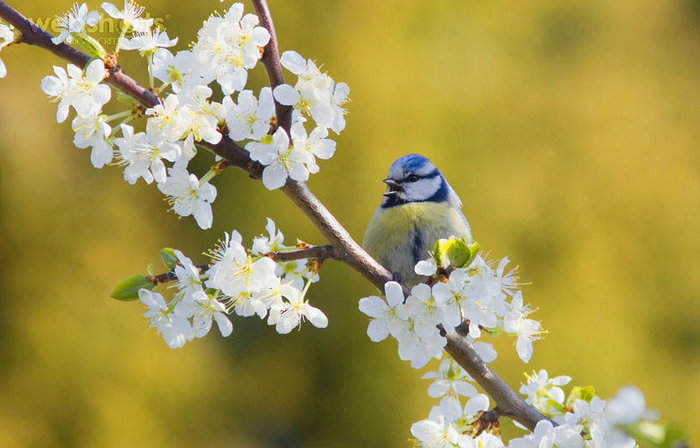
x: 418, y: 208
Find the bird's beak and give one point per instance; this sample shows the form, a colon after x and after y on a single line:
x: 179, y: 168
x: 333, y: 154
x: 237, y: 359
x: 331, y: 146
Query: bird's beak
x: 393, y: 187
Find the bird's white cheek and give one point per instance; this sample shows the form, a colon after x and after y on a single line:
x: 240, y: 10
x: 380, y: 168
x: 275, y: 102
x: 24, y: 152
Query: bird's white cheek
x: 420, y: 190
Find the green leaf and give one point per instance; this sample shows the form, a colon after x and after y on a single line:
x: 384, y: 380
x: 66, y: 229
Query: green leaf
x: 125, y: 99
x: 127, y: 290
x: 90, y: 45
x: 474, y: 249
x: 151, y: 269
x: 458, y: 252
x: 585, y: 393
x: 169, y: 258
x: 492, y: 331
x: 439, y: 252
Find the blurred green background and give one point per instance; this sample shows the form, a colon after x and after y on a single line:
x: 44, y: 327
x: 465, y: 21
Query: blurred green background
x: 569, y: 129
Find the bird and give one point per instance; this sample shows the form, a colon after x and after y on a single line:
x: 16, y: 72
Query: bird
x: 419, y: 207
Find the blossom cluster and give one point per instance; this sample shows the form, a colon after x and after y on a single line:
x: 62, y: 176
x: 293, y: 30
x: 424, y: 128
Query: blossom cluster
x: 484, y: 296
x: 227, y: 47
x: 238, y: 281
x: 583, y: 419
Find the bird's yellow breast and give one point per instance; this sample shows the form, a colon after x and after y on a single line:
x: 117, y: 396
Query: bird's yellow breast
x: 398, y: 237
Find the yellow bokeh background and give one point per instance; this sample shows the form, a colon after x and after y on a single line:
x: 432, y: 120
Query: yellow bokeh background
x: 569, y: 129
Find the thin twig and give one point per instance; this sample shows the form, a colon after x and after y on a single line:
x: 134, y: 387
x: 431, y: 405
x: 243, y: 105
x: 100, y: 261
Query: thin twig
x: 321, y: 253
x: 170, y: 275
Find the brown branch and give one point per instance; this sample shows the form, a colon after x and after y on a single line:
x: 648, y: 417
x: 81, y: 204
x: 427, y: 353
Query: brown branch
x: 344, y: 247
x: 509, y: 403
x: 271, y: 61
x: 321, y: 253
x: 170, y: 275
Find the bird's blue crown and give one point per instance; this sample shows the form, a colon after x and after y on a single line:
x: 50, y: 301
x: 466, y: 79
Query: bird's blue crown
x: 413, y: 178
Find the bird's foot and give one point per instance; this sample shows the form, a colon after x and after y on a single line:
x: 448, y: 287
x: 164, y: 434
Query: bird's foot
x: 396, y: 277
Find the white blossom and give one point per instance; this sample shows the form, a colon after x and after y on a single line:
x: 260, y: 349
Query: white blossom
x: 626, y: 407
x: 546, y: 435
x: 338, y: 100
x: 281, y: 160
x: 143, y: 155
x: 131, y: 12
x: 544, y: 393
x: 452, y: 411
x: 57, y: 88
x: 251, y: 284
x: 148, y: 41
x: 508, y: 281
x: 426, y: 267
x: 92, y: 130
x: 439, y: 434
x: 74, y: 22
x: 249, y: 118
x: 288, y: 315
x: 488, y: 440
x: 418, y: 338
x: 198, y: 118
x: 424, y: 310
x: 452, y: 297
x: 73, y: 88
x: 175, y: 329
x: 485, y: 351
x: 527, y: 330
x: 314, y: 95
x: 87, y: 94
x: 188, y: 281
x: 418, y: 348
x: 316, y: 144
x: 202, y: 309
x: 586, y: 414
x: 450, y: 379
x: 228, y: 46
x: 188, y: 197
x: 272, y: 243
x: 165, y: 119
x: 382, y: 313
x: 175, y: 70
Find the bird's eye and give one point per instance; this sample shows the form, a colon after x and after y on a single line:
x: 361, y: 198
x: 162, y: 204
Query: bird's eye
x: 412, y: 178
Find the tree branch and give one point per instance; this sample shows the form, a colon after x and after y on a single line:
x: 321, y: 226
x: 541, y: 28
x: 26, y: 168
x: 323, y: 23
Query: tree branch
x: 509, y: 403
x: 271, y: 61
x: 320, y: 253
x: 170, y: 275
x: 343, y: 247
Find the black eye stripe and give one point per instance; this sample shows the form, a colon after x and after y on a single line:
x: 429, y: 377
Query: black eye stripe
x: 413, y: 177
